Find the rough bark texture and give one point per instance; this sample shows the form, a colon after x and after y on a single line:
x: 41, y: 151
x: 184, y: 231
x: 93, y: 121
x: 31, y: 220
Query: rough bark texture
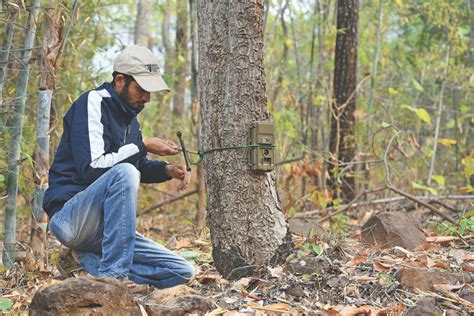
x: 247, y: 225
x: 49, y: 60
x: 85, y: 296
x: 142, y: 24
x: 181, y: 67
x: 342, y: 141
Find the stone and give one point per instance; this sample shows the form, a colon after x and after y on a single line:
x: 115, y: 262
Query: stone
x: 391, y: 229
x: 302, y: 227
x: 84, y: 296
x: 425, y: 306
x: 178, y: 300
x: 424, y: 280
x: 307, y: 265
x: 467, y: 294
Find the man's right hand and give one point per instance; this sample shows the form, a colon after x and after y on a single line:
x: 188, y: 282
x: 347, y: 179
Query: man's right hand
x: 159, y: 146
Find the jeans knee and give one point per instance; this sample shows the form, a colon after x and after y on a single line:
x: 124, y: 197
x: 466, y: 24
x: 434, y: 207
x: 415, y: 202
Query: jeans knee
x: 128, y: 174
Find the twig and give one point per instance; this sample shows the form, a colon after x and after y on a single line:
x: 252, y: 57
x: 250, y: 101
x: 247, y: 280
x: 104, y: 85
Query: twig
x: 172, y: 200
x: 279, y: 163
x: 346, y: 207
x: 438, y: 117
x: 389, y: 200
x: 415, y: 199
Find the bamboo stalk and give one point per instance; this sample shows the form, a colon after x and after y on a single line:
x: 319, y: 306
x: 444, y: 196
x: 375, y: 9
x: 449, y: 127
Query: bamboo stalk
x: 14, y: 153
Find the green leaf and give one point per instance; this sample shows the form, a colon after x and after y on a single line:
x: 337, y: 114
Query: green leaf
x: 2, y: 178
x: 5, y: 304
x: 469, y: 213
x: 464, y: 108
x: 392, y: 91
x: 439, y: 179
x: 407, y: 107
x: 424, y: 116
x: 386, y: 125
x: 447, y: 142
x: 317, y: 249
x: 189, y: 255
x: 463, y: 31
x: 417, y: 85
x: 419, y: 186
x: 451, y: 123
x: 468, y: 163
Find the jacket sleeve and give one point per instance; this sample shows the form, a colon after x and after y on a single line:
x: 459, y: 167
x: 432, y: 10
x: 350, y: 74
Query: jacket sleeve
x: 91, y: 139
x: 152, y: 171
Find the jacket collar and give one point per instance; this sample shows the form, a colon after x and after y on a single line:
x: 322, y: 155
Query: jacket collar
x: 120, y: 104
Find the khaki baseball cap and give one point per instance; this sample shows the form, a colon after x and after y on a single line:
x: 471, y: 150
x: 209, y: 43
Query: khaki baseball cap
x: 140, y: 63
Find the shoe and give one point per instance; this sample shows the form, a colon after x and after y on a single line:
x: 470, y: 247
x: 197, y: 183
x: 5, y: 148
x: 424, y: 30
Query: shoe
x: 67, y: 264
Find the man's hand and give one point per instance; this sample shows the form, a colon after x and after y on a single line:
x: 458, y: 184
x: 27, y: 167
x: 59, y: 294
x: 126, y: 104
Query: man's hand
x: 179, y: 172
x: 159, y: 146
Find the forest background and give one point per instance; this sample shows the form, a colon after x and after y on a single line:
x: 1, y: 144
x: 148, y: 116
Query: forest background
x: 413, y: 116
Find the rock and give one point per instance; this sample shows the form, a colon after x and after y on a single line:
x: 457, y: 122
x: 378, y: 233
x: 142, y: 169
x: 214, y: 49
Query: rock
x: 425, y: 306
x: 424, y: 279
x: 302, y: 227
x: 178, y: 300
x: 393, y: 229
x: 306, y: 265
x: 84, y: 296
x: 295, y: 290
x: 467, y: 294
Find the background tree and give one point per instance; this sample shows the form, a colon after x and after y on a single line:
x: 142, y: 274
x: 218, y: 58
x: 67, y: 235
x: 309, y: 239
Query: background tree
x: 247, y: 225
x: 342, y: 141
x: 142, y: 24
x: 16, y: 131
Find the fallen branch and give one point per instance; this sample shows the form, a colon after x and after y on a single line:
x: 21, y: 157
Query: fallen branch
x: 387, y: 200
x: 325, y: 218
x: 172, y: 200
x: 419, y: 201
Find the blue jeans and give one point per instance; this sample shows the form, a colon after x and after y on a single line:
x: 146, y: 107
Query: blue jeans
x: 99, y: 223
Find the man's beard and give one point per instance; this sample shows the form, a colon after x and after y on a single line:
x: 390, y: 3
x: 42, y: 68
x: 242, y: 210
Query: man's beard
x: 124, y: 95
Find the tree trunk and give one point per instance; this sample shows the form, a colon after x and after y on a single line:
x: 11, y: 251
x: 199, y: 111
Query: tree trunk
x: 342, y: 141
x: 7, y: 41
x: 16, y: 131
x: 247, y: 226
x: 200, y: 218
x: 51, y: 52
x: 142, y: 24
x: 181, y: 66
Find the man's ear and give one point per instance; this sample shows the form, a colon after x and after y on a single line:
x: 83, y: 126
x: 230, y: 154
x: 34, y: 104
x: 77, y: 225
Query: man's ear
x: 119, y: 82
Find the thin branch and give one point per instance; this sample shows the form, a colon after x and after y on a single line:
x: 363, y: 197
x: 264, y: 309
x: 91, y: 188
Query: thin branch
x: 432, y: 199
x: 172, y: 200
x: 419, y: 201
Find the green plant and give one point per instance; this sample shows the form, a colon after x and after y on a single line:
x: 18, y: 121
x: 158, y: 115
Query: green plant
x: 339, y: 224
x: 466, y: 225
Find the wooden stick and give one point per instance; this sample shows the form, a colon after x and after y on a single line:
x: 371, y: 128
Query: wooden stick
x: 428, y: 206
x: 388, y: 200
x: 172, y: 200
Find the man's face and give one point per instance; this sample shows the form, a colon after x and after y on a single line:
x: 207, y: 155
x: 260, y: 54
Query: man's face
x: 131, y: 92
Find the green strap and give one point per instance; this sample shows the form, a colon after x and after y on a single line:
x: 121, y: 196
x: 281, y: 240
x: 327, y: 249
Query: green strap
x: 202, y: 153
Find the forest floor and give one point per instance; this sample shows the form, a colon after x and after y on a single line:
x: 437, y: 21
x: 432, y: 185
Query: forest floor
x: 331, y: 271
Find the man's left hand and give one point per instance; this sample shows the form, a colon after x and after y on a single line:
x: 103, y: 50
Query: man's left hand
x: 179, y: 172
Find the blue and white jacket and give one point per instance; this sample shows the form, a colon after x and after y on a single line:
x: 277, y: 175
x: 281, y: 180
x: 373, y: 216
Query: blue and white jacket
x: 100, y: 131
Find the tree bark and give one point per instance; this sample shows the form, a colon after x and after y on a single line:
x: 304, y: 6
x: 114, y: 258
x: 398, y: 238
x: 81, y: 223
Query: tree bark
x: 52, y: 44
x: 200, y: 218
x: 16, y: 132
x: 247, y: 226
x: 181, y: 67
x: 142, y: 24
x: 342, y: 140
x: 7, y: 42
